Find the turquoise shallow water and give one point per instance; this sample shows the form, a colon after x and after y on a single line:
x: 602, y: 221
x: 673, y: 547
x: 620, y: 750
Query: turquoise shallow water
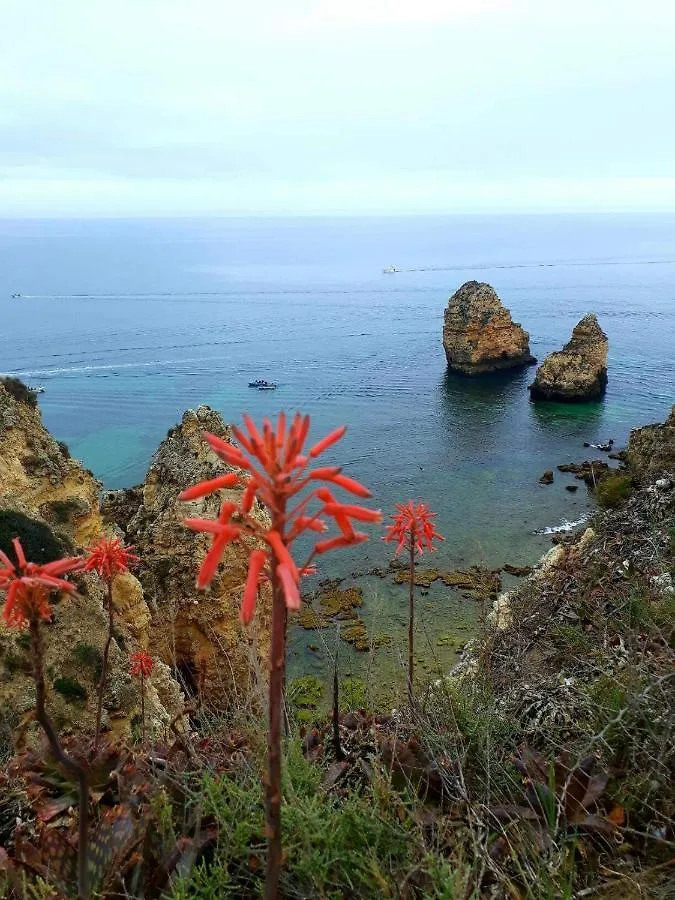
x: 127, y: 323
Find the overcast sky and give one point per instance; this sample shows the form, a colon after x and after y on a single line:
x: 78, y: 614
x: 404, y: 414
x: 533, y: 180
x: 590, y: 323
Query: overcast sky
x: 164, y: 107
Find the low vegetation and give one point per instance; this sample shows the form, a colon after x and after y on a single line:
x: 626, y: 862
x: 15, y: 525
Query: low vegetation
x: 613, y: 490
x: 17, y: 389
x: 539, y: 768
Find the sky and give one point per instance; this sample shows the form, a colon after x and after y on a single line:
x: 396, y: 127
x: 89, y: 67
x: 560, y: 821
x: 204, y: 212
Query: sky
x: 301, y: 107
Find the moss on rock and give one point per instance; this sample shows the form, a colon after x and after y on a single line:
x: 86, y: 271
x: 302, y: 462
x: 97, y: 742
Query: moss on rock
x: 341, y: 603
x: 310, y: 619
x: 70, y: 688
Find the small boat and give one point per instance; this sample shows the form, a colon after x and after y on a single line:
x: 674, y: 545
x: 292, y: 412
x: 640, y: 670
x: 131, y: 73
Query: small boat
x: 262, y: 385
x: 16, y: 296
x: 390, y: 270
x: 38, y: 389
x: 605, y: 447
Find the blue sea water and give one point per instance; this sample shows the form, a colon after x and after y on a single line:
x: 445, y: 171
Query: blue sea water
x: 127, y: 323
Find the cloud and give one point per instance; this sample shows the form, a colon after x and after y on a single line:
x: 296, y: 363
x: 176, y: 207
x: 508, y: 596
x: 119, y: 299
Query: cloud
x: 151, y: 104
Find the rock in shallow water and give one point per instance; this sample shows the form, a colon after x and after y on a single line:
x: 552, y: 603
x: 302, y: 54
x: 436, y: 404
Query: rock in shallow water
x: 578, y: 371
x: 479, y: 334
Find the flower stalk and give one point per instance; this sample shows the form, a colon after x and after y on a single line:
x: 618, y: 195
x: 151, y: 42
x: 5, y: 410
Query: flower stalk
x: 142, y: 665
x: 275, y: 468
x: 109, y: 558
x: 27, y: 587
x: 413, y: 529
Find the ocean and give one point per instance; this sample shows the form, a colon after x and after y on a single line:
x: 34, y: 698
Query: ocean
x: 126, y: 323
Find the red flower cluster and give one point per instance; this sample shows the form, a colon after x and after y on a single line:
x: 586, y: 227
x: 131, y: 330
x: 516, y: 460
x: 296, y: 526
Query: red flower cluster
x: 278, y: 470
x: 413, y: 525
x: 28, y: 585
x: 142, y: 664
x: 109, y: 557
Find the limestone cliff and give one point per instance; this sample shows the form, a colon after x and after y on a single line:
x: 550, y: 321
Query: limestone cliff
x: 40, y: 474
x: 479, y: 334
x: 51, y: 503
x: 578, y: 371
x: 74, y: 642
x: 197, y: 631
x: 651, y: 450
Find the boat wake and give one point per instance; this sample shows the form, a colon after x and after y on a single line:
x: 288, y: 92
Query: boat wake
x: 563, y: 528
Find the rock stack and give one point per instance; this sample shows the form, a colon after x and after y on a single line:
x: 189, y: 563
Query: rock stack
x: 196, y: 630
x: 479, y: 334
x: 577, y: 372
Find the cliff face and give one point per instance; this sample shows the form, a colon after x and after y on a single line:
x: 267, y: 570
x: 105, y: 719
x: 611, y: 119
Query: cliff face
x: 39, y: 474
x: 578, y: 371
x: 52, y: 503
x: 651, y: 450
x: 479, y: 334
x: 74, y: 641
x: 198, y: 631
x: 572, y: 623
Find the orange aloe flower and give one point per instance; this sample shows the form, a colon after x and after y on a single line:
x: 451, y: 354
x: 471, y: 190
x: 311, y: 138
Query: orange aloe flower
x: 413, y: 523
x: 28, y: 585
x: 276, y: 468
x: 142, y: 664
x: 109, y: 557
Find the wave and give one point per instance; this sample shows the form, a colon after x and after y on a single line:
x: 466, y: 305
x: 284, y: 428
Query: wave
x: 542, y: 265
x: 563, y: 528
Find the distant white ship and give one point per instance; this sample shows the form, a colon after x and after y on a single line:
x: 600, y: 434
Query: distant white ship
x: 390, y: 270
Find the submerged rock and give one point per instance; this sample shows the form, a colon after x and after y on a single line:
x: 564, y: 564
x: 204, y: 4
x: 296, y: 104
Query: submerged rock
x: 578, y: 371
x: 421, y: 577
x: 517, y: 571
x: 590, y: 471
x: 479, y: 335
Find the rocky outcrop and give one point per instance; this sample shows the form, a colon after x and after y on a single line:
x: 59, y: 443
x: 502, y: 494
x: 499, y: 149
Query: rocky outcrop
x: 51, y: 503
x: 39, y: 474
x: 577, y: 372
x: 196, y: 631
x: 651, y: 450
x: 74, y: 641
x: 479, y: 334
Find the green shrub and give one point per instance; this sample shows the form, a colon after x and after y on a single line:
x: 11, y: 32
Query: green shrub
x: 352, y: 694
x: 20, y: 391
x: 571, y: 639
x: 363, y: 846
x: 39, y: 542
x: 305, y: 695
x: 70, y: 688
x: 62, y: 511
x: 613, y: 490
x: 89, y: 656
x: 17, y: 662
